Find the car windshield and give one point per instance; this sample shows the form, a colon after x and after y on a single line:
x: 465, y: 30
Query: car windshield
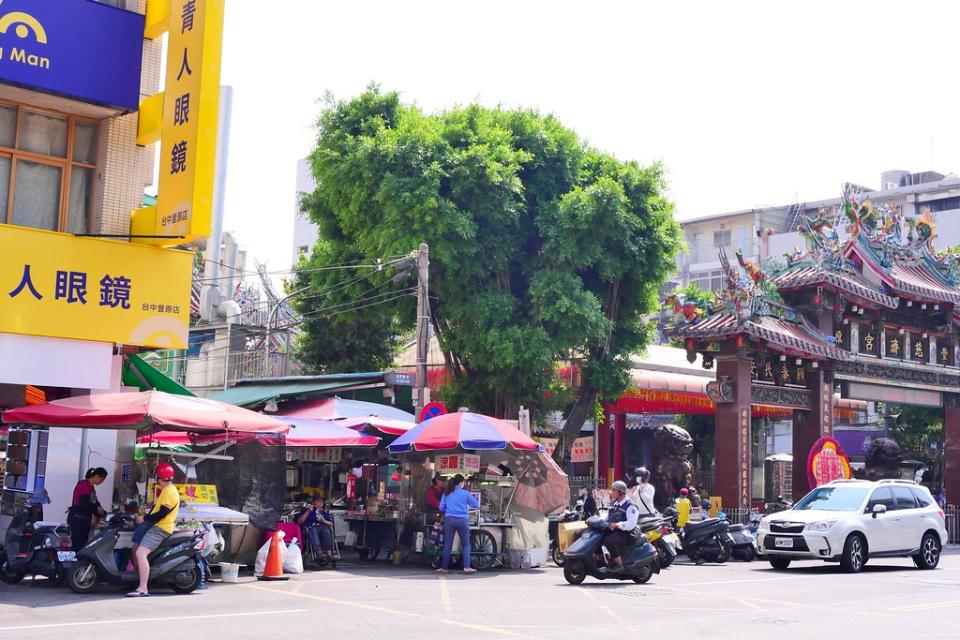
x: 832, y: 499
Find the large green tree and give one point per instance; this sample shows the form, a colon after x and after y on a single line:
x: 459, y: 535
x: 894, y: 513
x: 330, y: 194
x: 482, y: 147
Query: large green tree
x: 542, y: 249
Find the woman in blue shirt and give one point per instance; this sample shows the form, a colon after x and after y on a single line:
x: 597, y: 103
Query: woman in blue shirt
x: 454, y: 505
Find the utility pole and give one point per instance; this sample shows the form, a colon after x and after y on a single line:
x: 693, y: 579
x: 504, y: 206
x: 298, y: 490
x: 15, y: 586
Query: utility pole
x: 421, y: 392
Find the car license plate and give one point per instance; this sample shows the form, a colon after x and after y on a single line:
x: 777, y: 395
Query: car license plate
x: 67, y: 556
x: 783, y: 543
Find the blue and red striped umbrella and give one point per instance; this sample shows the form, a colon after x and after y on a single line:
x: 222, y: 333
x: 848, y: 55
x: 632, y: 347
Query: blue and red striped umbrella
x: 463, y: 430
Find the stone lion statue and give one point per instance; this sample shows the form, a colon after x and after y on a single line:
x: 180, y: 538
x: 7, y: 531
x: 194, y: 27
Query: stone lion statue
x: 672, y: 470
x: 882, y: 459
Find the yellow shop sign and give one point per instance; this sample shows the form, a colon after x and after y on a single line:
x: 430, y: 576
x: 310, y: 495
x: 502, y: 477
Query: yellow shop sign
x: 62, y: 286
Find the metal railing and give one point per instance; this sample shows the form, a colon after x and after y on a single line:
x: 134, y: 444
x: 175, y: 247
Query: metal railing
x: 952, y: 517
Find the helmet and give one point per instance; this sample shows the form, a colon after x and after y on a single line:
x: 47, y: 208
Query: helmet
x: 684, y: 491
x: 642, y: 474
x: 165, y: 471
x: 619, y: 485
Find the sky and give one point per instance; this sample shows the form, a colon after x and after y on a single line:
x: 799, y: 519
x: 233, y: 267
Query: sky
x: 746, y: 103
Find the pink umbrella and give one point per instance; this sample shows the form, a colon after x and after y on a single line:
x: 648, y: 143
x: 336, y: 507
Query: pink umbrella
x: 320, y: 433
x: 353, y: 414
x: 148, y: 409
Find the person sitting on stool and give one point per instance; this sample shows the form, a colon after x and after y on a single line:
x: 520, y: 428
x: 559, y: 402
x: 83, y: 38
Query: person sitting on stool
x: 623, y: 516
x: 318, y: 524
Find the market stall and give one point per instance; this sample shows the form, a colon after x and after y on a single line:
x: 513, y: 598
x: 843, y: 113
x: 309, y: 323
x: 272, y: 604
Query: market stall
x: 515, y: 482
x: 146, y: 412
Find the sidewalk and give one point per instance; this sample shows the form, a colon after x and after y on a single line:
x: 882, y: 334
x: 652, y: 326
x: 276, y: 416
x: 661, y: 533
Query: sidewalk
x: 951, y: 549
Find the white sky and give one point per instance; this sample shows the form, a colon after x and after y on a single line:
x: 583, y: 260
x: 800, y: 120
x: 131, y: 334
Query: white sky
x: 747, y: 103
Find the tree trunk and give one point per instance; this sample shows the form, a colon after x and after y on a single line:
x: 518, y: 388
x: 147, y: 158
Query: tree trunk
x: 571, y: 427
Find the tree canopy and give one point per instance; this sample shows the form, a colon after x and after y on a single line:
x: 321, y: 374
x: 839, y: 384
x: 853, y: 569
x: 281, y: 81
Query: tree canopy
x: 542, y: 249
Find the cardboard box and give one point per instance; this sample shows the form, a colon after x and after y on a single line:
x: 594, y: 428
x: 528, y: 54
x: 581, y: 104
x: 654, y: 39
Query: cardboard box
x: 567, y: 532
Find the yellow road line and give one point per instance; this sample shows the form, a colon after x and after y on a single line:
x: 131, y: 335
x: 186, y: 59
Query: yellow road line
x: 613, y: 614
x: 746, y: 602
x: 445, y: 595
x: 929, y: 605
x: 380, y: 609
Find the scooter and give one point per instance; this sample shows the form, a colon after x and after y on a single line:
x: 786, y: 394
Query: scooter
x: 707, y: 541
x: 744, y: 545
x: 175, y: 562
x: 580, y: 559
x: 553, y: 525
x: 35, y: 548
x: 660, y: 534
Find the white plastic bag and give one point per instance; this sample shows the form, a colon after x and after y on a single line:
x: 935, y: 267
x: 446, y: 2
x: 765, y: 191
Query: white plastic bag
x: 293, y: 561
x: 261, y: 562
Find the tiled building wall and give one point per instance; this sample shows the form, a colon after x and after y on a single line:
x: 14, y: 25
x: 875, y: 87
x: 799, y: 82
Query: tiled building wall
x: 123, y: 168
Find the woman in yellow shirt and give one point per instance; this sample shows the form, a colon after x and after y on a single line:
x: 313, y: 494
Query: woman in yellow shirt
x: 155, y: 527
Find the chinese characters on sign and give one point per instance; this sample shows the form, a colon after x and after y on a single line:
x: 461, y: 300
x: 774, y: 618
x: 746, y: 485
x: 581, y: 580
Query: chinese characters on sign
x: 944, y: 352
x: 895, y: 343
x: 826, y: 425
x: 919, y: 347
x: 869, y: 343
x: 62, y: 286
x: 464, y: 463
x: 188, y: 131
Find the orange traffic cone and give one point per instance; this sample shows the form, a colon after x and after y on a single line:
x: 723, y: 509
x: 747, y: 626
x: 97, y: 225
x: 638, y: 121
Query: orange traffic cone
x: 274, y: 568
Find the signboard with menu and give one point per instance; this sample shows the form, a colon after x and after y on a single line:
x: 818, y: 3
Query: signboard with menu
x: 463, y: 463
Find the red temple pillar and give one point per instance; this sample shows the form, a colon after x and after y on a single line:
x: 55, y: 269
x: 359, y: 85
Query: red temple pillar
x: 732, y: 437
x: 603, y: 447
x: 810, y: 426
x: 619, y: 454
x: 951, y: 452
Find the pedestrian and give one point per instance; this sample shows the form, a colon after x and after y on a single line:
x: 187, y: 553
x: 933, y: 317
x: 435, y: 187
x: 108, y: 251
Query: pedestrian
x: 642, y: 493
x: 155, y: 527
x: 85, y: 509
x: 683, y: 508
x: 454, y: 505
x: 589, y: 505
x: 694, y: 495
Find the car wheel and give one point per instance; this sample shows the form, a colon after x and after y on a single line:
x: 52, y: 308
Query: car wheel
x: 574, y: 576
x: 854, y: 554
x: 929, y: 556
x: 779, y: 563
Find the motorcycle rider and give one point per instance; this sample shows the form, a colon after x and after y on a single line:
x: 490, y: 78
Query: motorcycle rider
x: 155, y: 527
x: 642, y: 493
x: 623, y: 516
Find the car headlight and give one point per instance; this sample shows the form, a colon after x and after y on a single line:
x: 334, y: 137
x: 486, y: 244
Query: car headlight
x: 764, y: 526
x: 824, y: 525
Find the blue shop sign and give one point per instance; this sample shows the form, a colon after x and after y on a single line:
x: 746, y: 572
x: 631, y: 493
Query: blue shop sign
x: 75, y: 48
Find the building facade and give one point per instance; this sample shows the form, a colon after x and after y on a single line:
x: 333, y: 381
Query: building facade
x: 305, y: 233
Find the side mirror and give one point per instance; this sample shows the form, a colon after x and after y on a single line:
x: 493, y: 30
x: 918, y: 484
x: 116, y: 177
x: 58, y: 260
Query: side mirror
x: 878, y: 509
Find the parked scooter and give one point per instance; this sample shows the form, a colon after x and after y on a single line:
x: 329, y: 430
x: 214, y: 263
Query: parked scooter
x: 707, y: 541
x: 744, y: 544
x: 175, y: 562
x: 580, y: 559
x: 553, y: 525
x: 659, y: 533
x: 35, y: 548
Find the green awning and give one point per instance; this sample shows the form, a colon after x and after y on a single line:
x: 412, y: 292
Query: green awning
x: 250, y: 395
x: 141, y: 374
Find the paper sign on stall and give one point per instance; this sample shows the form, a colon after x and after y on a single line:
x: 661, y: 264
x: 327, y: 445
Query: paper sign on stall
x: 464, y: 463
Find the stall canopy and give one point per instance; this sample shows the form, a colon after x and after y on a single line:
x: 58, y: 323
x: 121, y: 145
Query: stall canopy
x: 463, y: 430
x: 144, y: 410
x: 319, y: 433
x: 251, y: 393
x: 338, y: 408
x: 137, y: 372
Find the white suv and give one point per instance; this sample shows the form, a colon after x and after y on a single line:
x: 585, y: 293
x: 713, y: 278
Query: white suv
x: 851, y: 521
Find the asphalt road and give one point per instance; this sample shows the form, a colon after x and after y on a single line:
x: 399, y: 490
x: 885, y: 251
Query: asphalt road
x: 890, y: 599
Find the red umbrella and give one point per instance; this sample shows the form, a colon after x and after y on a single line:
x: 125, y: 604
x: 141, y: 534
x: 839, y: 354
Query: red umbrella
x: 148, y: 409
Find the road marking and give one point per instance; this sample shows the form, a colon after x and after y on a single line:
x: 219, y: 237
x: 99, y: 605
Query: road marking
x: 706, y: 584
x: 380, y: 609
x: 746, y: 602
x: 613, y: 614
x: 929, y: 605
x: 445, y: 595
x: 132, y: 620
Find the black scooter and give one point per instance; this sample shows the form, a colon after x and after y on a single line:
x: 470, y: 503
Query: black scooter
x: 744, y: 546
x: 35, y: 548
x: 707, y: 541
x: 174, y: 562
x: 640, y: 560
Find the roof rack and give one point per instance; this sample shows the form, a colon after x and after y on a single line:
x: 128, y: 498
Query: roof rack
x: 895, y: 481
x: 844, y: 480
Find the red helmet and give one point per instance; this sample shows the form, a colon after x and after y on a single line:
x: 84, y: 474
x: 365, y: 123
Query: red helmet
x: 165, y: 471
x: 683, y: 491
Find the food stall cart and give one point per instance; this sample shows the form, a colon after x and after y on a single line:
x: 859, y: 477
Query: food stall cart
x: 515, y: 482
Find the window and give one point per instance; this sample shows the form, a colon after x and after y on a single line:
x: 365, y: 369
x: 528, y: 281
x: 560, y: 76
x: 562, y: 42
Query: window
x: 708, y: 280
x: 903, y: 498
x: 881, y: 496
x: 832, y: 499
x: 721, y: 238
x: 47, y: 167
x: 923, y: 500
